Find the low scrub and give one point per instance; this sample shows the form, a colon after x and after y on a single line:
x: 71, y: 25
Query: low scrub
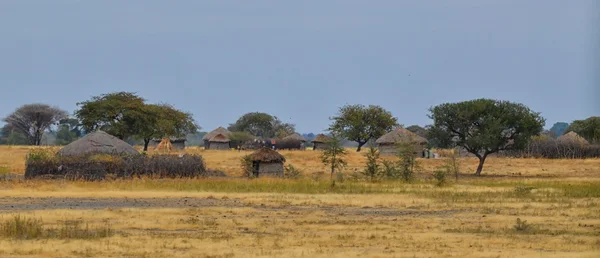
x: 554, y: 149
x: 101, y: 166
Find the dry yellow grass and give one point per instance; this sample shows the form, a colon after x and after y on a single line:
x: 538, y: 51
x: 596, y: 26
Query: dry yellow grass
x: 309, y: 161
x: 473, y: 217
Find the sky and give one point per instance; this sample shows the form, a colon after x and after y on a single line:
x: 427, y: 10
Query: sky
x: 302, y: 60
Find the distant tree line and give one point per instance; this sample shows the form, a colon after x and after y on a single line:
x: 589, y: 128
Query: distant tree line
x: 481, y: 127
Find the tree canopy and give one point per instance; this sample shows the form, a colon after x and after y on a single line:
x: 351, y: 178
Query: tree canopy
x: 485, y: 126
x: 360, y: 123
x: 588, y: 128
x: 262, y: 124
x: 124, y: 114
x: 32, y: 120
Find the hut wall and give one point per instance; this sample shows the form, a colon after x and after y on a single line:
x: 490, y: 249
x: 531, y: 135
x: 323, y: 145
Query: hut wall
x: 391, y: 149
x: 178, y: 145
x: 319, y: 146
x: 270, y: 169
x: 218, y: 146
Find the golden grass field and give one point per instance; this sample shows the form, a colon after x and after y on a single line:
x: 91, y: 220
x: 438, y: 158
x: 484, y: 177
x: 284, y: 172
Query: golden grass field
x: 233, y: 217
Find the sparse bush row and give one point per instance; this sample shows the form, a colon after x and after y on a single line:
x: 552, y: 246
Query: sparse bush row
x: 554, y: 149
x: 97, y: 167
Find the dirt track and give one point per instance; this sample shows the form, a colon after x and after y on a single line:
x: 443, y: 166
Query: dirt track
x: 16, y: 204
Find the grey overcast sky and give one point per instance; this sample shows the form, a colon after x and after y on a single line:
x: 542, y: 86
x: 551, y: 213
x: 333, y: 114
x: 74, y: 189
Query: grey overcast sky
x: 301, y: 60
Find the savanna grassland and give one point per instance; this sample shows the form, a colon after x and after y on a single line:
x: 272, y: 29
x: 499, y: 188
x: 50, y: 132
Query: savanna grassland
x: 519, y: 208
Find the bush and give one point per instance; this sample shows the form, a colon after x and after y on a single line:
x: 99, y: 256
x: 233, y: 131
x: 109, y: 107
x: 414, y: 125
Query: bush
x: 372, y: 170
x: 390, y: 170
x: 97, y: 167
x: 292, y: 172
x: 440, y: 177
x: 247, y: 166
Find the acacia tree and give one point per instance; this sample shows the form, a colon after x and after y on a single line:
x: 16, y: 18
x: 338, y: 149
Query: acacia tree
x: 33, y: 120
x: 124, y: 114
x: 120, y: 114
x: 361, y: 124
x: 262, y: 124
x: 484, y: 126
x: 163, y: 120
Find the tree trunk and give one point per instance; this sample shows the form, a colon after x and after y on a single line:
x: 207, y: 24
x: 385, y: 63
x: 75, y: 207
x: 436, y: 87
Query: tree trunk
x: 360, y: 144
x: 480, y: 167
x: 146, y: 142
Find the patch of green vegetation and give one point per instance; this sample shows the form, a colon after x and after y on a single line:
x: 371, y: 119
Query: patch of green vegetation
x: 24, y: 228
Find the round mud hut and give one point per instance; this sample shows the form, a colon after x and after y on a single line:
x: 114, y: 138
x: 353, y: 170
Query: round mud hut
x: 267, y: 163
x: 98, y: 142
x: 320, y: 142
x: 389, y: 143
x: 219, y: 142
x: 208, y: 145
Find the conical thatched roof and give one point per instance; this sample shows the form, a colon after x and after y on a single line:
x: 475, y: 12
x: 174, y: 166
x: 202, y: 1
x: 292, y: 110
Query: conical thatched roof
x: 321, y: 138
x: 400, y: 135
x: 266, y: 155
x: 219, y: 130
x: 97, y: 142
x: 164, y: 145
x: 295, y: 136
x: 572, y: 137
x: 219, y: 138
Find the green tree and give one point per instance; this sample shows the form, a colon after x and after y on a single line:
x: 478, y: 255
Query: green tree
x: 120, y: 114
x: 262, y: 124
x: 17, y: 138
x: 163, y: 121
x: 485, y: 126
x: 361, y: 124
x: 33, y: 120
x: 64, y: 135
x: 589, y: 128
x: 333, y: 156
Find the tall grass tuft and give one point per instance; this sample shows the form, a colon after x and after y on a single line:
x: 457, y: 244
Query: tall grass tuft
x: 19, y: 227
x: 23, y: 228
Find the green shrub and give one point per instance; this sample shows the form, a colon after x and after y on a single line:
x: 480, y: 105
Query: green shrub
x: 440, y: 177
x: 247, y: 168
x: 292, y: 172
x: 390, y: 169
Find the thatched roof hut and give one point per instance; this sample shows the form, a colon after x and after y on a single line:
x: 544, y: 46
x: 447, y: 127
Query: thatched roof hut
x: 320, y: 142
x: 218, y: 143
x: 295, y: 136
x: 387, y: 143
x: 267, y: 162
x: 98, y: 142
x: 572, y: 137
x: 219, y: 130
